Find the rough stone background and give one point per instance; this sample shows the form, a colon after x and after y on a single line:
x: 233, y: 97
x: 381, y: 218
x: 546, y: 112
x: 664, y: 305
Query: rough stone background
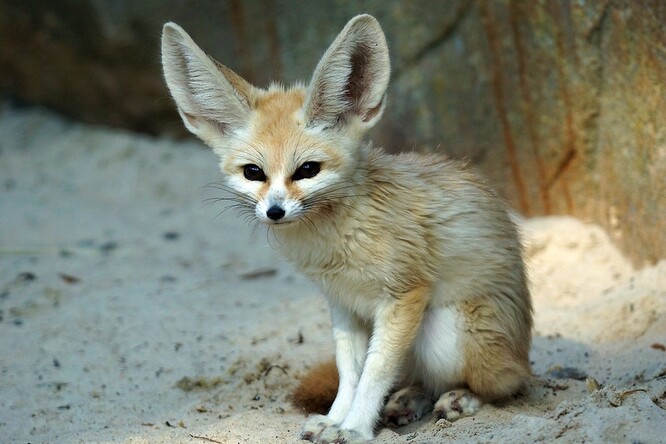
x: 561, y: 104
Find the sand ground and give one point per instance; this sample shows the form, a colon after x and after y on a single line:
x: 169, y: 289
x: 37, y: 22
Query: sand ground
x: 132, y: 312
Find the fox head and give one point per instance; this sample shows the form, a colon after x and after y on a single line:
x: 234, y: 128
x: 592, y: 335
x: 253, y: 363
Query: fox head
x: 287, y: 154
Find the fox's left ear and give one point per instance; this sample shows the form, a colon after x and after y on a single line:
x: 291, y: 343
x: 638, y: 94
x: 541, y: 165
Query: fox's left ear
x: 351, y: 78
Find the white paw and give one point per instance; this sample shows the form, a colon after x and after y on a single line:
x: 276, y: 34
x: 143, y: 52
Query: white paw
x: 405, y: 406
x: 335, y: 434
x: 320, y: 429
x: 314, y: 426
x: 456, y: 404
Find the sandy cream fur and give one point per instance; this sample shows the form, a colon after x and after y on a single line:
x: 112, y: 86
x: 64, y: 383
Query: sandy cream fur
x: 418, y: 259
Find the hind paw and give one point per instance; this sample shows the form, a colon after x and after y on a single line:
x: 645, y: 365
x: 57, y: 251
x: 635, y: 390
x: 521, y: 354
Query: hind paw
x: 406, y: 405
x: 455, y: 404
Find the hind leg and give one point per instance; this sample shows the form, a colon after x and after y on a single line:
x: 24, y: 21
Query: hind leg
x: 496, y: 362
x: 490, y: 373
x: 493, y: 352
x: 485, y: 385
x: 406, y: 405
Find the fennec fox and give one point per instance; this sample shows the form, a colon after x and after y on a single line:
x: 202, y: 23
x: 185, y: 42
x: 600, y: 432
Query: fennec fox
x: 418, y: 259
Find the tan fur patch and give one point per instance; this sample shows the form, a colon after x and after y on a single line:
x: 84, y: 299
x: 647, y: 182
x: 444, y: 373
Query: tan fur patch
x: 276, y: 113
x: 404, y: 319
x: 275, y: 125
x: 496, y: 361
x: 294, y: 191
x: 263, y: 190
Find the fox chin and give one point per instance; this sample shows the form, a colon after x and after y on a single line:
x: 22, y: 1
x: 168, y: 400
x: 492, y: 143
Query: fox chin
x: 417, y: 257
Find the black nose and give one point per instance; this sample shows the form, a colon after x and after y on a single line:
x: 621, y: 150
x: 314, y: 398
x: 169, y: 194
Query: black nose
x: 275, y: 213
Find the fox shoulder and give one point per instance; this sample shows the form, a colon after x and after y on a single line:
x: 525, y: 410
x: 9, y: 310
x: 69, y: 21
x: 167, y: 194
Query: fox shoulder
x: 317, y: 390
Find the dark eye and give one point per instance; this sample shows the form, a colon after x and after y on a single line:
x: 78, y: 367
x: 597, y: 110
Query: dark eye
x: 253, y: 172
x: 307, y: 170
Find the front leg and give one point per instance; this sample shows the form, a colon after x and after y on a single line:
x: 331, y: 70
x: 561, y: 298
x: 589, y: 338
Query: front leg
x: 351, y: 346
x: 396, y: 324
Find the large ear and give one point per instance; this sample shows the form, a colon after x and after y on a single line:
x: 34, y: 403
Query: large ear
x: 351, y: 78
x: 211, y: 99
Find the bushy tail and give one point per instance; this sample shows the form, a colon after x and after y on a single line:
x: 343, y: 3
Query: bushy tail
x: 317, y: 390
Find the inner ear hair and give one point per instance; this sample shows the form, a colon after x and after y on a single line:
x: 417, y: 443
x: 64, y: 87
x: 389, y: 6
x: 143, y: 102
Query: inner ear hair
x: 375, y: 112
x: 358, y: 80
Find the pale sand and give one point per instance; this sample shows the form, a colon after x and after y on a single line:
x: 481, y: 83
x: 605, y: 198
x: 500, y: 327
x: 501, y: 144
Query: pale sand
x: 116, y: 282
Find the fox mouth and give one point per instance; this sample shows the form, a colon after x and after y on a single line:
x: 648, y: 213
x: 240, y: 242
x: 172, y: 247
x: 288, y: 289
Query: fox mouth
x: 296, y: 219
x: 275, y: 223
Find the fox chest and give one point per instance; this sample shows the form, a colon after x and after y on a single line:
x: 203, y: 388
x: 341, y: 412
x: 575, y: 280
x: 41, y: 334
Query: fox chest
x: 347, y: 272
x: 353, y: 289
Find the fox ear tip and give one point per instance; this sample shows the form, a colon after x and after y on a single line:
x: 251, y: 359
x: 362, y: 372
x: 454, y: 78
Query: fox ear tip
x: 366, y: 21
x: 170, y: 27
x: 172, y: 31
x: 364, y: 18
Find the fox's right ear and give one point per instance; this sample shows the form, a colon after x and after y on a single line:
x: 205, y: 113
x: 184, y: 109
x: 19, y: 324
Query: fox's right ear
x: 211, y: 99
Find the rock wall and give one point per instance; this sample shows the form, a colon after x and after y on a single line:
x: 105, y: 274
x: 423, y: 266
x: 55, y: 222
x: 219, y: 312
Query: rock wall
x: 561, y: 104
